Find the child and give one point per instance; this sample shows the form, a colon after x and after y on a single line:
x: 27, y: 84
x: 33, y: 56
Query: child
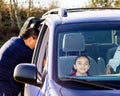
x: 81, y: 66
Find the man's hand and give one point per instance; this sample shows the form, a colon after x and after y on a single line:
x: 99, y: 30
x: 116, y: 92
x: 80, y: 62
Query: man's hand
x: 108, y: 67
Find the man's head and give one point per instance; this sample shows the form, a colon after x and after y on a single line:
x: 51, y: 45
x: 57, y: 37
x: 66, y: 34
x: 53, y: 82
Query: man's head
x: 30, y: 37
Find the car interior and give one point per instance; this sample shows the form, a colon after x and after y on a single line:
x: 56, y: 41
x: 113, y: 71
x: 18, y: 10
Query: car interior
x: 74, y: 44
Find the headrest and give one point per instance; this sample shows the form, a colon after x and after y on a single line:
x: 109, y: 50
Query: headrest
x: 73, y: 42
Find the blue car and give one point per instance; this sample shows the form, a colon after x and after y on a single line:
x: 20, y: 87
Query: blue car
x: 64, y: 35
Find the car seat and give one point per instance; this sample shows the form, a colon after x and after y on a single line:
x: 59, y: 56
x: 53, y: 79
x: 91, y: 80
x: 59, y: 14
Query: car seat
x: 73, y: 42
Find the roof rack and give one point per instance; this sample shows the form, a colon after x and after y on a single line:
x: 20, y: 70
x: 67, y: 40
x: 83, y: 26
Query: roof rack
x: 64, y: 12
x: 84, y: 9
x: 60, y: 11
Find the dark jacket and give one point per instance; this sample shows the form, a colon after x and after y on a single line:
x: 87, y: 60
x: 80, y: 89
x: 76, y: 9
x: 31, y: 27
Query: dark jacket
x: 13, y: 52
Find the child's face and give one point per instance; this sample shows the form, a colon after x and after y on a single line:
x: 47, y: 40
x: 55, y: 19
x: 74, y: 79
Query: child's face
x: 82, y: 65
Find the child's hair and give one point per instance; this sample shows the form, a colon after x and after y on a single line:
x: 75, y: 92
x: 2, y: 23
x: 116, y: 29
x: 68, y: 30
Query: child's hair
x: 82, y: 56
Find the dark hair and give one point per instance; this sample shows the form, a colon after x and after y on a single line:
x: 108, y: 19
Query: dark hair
x: 34, y: 32
x: 82, y: 56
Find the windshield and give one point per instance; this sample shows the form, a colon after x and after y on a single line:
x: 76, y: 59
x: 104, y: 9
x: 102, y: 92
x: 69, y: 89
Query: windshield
x: 94, y: 40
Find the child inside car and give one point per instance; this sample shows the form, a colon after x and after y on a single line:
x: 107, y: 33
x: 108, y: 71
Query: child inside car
x: 81, y: 66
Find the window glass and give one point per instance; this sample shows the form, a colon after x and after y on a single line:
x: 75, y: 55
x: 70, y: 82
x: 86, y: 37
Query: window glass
x: 41, y: 50
x: 89, y: 39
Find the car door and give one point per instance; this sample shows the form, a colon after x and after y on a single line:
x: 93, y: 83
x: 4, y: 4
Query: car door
x: 40, y: 59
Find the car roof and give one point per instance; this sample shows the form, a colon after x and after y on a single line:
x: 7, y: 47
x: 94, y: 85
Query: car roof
x: 86, y: 16
x: 98, y: 15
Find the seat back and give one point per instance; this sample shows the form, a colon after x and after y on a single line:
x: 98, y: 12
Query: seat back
x: 94, y: 69
x: 65, y: 65
x: 101, y: 64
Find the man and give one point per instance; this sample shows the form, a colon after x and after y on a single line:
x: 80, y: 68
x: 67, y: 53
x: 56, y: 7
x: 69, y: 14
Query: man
x: 114, y: 57
x: 14, y: 51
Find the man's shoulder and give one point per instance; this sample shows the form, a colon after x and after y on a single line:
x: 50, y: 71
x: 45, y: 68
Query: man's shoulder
x: 14, y: 38
x: 12, y: 42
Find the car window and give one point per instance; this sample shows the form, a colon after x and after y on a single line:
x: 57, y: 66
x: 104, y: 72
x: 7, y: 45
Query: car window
x: 41, y: 53
x: 90, y: 39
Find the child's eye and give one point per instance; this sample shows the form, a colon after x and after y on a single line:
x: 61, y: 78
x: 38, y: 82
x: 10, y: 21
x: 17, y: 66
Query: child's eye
x: 79, y: 63
x: 86, y: 63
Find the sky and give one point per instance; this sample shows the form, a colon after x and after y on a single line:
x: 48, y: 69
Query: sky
x: 73, y: 3
x: 60, y: 3
x: 68, y: 3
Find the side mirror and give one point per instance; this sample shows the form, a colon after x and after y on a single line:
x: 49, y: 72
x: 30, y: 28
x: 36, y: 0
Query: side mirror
x: 25, y: 73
